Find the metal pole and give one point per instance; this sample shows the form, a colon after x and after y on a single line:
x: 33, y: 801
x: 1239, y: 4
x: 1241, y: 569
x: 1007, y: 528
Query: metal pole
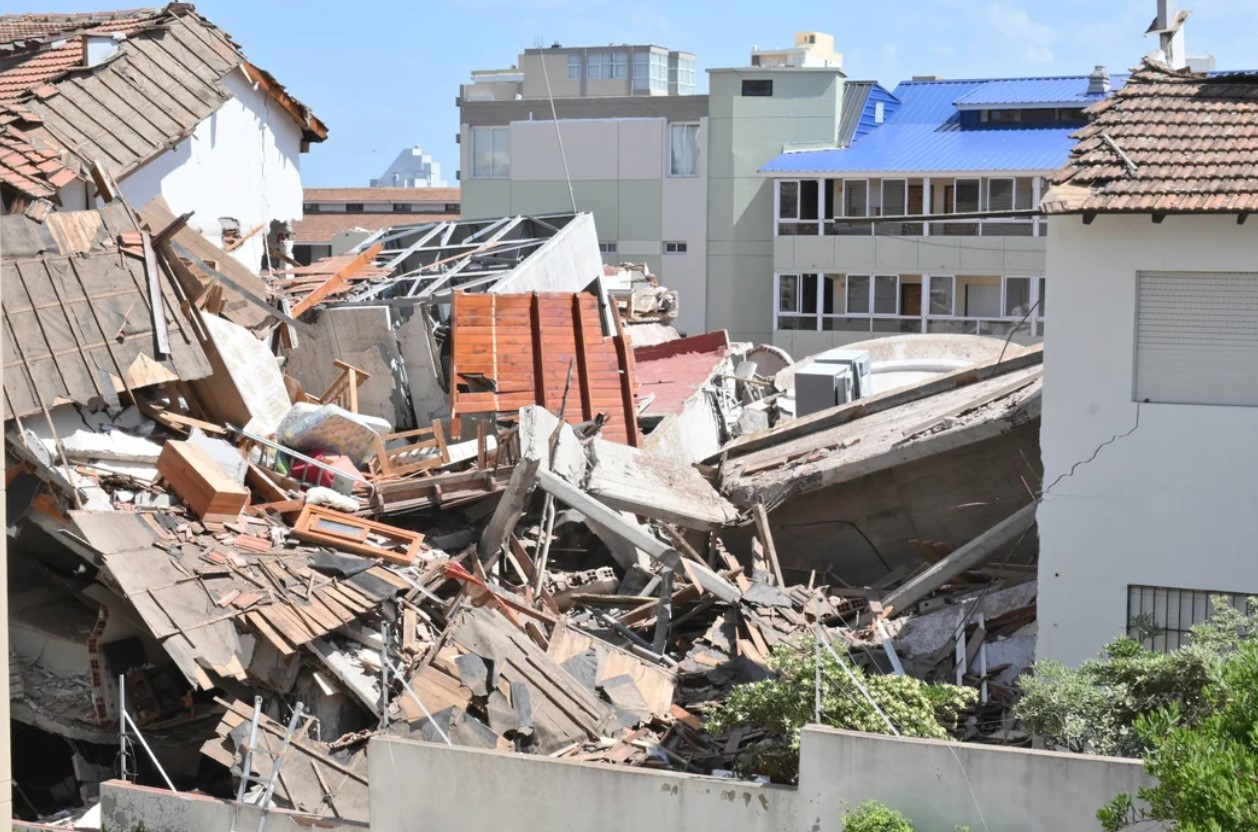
x: 247, y: 771
x: 149, y: 751
x: 817, y: 683
x: 421, y: 704
x: 855, y: 681
x: 279, y: 758
x: 122, y: 727
x: 384, y: 677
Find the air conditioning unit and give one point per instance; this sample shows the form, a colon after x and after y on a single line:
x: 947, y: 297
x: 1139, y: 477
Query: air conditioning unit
x: 822, y: 386
x: 859, y: 364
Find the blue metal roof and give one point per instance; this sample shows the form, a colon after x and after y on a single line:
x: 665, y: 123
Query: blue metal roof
x: 925, y: 134
x: 1071, y: 90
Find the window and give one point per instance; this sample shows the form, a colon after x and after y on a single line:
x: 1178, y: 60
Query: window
x: 607, y: 248
x: 1072, y: 115
x: 1171, y: 613
x: 797, y: 294
x: 1001, y: 116
x: 1045, y: 115
x: 1000, y: 194
x: 788, y: 200
x: 683, y: 150
x: 685, y: 79
x: 942, y: 296
x: 641, y: 71
x: 887, y: 294
x: 1017, y: 300
x: 452, y: 208
x: 491, y: 152
x: 966, y: 196
x: 1039, y: 310
x: 353, y: 207
x: 858, y: 294
x: 674, y: 247
x: 894, y: 197
x: 880, y: 112
x: 1196, y: 338
x: 311, y: 208
x: 403, y: 207
x: 855, y: 198
x: 574, y: 67
x: 799, y: 200
x: 607, y: 65
x: 757, y: 88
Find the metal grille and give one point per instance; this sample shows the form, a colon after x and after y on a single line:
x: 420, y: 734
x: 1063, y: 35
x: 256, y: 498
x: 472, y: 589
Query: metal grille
x: 1173, y: 612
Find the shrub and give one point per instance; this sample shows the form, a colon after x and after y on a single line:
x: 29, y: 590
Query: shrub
x: 872, y: 816
x: 781, y: 706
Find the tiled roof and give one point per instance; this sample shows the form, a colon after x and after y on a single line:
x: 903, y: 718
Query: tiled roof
x: 31, y: 167
x: 1190, y: 142
x: 320, y: 228
x: 165, y: 79
x: 19, y: 27
x: 676, y: 370
x: 382, y: 195
x: 925, y: 134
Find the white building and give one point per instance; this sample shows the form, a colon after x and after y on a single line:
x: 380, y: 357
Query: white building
x: 168, y: 105
x: 413, y: 168
x: 1150, y: 420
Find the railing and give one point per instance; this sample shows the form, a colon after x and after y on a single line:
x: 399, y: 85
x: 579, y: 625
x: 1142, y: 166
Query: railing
x: 839, y: 227
x: 907, y: 324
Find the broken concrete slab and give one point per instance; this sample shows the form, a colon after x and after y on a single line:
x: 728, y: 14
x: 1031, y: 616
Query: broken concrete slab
x: 655, y: 486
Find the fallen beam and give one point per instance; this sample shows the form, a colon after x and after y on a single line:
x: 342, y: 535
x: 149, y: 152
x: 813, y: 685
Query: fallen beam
x: 977, y: 551
x: 655, y: 549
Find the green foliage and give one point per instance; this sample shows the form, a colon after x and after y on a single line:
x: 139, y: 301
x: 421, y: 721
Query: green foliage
x: 872, y: 816
x: 1095, y: 707
x: 781, y: 706
x: 1207, y: 770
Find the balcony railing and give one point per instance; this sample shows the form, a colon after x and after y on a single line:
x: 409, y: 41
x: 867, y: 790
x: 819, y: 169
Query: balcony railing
x: 908, y: 324
x: 900, y: 228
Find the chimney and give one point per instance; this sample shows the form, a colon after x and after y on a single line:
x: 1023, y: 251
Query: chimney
x: 1169, y: 26
x: 1098, y: 82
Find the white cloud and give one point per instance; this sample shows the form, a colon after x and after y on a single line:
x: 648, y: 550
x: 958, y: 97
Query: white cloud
x: 1013, y: 22
x: 1040, y: 54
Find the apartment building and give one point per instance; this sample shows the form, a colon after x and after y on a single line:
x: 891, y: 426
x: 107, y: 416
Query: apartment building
x: 925, y: 224
x: 811, y: 49
x: 634, y: 141
x: 337, y: 219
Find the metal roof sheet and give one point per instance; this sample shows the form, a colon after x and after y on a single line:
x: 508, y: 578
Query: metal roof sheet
x: 925, y: 134
x: 1072, y: 89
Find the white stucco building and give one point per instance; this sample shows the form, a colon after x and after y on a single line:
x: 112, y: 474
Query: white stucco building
x: 167, y: 104
x: 1150, y: 420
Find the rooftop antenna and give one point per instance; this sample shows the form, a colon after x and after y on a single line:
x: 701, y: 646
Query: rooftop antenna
x: 572, y: 197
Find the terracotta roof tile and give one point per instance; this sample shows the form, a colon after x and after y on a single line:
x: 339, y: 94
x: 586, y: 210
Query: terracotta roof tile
x: 1168, y: 141
x: 16, y: 27
x: 320, y: 228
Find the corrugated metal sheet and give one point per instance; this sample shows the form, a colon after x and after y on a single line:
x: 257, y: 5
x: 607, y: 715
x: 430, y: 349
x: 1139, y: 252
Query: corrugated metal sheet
x: 1003, y: 92
x: 77, y: 322
x: 510, y: 351
x: 924, y: 135
x: 855, y: 94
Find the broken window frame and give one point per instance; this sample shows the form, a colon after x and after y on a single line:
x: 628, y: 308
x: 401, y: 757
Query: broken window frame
x: 499, y: 138
x: 689, y: 133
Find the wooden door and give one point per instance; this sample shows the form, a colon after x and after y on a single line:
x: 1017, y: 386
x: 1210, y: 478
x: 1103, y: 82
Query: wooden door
x: 911, y: 299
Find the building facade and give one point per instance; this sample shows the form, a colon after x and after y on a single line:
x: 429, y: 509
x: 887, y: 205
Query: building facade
x: 335, y: 220
x: 413, y: 168
x: 925, y: 224
x: 1150, y: 386
x: 629, y: 139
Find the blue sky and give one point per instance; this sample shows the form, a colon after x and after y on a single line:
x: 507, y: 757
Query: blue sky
x: 384, y: 75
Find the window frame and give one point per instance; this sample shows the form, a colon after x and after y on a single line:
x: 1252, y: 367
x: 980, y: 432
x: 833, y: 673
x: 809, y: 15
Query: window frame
x: 847, y: 296
x: 575, y: 62
x: 756, y: 88
x: 782, y: 183
x: 843, y: 198
x: 956, y: 194
x: 880, y: 112
x: 952, y: 296
x: 1004, y: 295
x: 687, y: 125
x: 1013, y: 192
x: 493, y: 131
x: 678, y: 247
x: 607, y: 247
x: 882, y: 197
x: 873, y: 297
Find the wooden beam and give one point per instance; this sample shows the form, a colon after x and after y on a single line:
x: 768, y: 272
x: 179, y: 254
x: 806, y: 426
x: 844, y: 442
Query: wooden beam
x: 980, y: 549
x: 338, y: 281
x: 157, y: 311
x: 766, y: 541
x: 624, y: 356
x: 539, y: 358
x: 583, y: 361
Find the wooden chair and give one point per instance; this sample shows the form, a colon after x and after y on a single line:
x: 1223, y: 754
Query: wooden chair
x: 423, y: 449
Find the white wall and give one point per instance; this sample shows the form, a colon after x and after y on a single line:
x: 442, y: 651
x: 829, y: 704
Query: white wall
x: 1017, y: 789
x: 242, y: 162
x: 125, y: 808
x: 1171, y: 504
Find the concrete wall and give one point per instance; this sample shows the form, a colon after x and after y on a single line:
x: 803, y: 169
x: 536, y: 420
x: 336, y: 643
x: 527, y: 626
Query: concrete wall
x: 743, y: 134
x: 1016, y: 789
x: 128, y: 808
x: 1171, y: 504
x: 242, y: 162
x: 567, y: 262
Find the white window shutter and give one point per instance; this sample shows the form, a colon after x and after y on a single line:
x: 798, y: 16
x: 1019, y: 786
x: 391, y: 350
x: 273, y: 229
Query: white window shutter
x: 1197, y: 338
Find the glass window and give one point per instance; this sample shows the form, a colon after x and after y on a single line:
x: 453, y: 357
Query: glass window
x: 880, y: 112
x: 641, y: 72
x: 829, y: 283
x: 574, y: 67
x: 1000, y: 194
x: 855, y: 198
x: 598, y: 65
x: 491, y: 152
x: 788, y: 293
x: 858, y: 294
x: 1002, y: 116
x: 966, y: 199
x: 757, y: 88
x: 683, y: 149
x: 788, y: 200
x: 887, y: 294
x: 942, y: 294
x: 808, y: 294
x: 675, y: 247
x: 1039, y: 310
x: 1039, y: 115
x: 1017, y: 296
x: 894, y: 197
x: 809, y: 204
x: 685, y: 76
x: 620, y: 65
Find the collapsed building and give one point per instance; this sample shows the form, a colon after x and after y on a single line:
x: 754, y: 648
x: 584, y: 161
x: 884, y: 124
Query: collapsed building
x: 462, y: 482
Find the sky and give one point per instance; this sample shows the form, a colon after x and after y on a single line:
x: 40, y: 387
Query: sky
x: 384, y: 74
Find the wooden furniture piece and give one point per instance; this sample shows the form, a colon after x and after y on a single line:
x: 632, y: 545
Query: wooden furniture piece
x: 329, y: 527
x: 424, y: 449
x: 199, y: 481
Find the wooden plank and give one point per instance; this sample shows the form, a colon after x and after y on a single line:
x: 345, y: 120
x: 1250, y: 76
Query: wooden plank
x: 538, y: 333
x: 766, y: 540
x: 583, y: 369
x: 337, y: 281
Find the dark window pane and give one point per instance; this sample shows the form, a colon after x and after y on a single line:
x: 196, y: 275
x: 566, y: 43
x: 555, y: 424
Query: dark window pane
x: 757, y: 88
x: 808, y: 292
x: 788, y: 201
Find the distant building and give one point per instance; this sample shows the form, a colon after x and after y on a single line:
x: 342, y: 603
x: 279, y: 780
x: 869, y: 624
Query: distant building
x: 337, y: 219
x: 811, y: 49
x: 413, y: 168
